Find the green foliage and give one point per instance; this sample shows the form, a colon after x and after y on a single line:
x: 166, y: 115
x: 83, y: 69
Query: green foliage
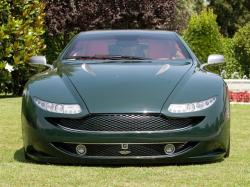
x: 21, y: 30
x: 184, y: 10
x: 232, y: 65
x: 231, y: 14
x: 203, y: 36
x: 242, y: 48
x: 200, y: 5
x: 5, y: 81
x: 55, y: 44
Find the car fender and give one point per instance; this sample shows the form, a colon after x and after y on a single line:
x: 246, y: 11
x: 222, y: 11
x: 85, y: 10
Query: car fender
x: 197, y: 86
x: 51, y: 87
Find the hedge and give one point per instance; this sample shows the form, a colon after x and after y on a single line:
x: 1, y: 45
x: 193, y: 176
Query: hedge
x: 21, y: 36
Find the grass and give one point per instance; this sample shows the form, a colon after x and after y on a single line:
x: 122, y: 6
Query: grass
x: 15, y: 171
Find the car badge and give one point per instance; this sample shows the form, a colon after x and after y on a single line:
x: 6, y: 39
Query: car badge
x: 124, y: 149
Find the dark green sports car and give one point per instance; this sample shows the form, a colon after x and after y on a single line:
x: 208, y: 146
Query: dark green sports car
x: 126, y: 97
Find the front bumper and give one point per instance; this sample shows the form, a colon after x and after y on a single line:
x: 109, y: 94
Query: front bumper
x: 212, y: 139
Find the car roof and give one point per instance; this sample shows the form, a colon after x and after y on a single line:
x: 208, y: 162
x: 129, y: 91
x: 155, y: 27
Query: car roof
x: 118, y: 32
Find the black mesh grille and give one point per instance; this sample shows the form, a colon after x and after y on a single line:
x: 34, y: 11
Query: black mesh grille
x: 134, y: 149
x: 126, y: 122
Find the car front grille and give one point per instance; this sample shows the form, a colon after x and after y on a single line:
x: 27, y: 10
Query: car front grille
x: 125, y: 122
x: 133, y: 150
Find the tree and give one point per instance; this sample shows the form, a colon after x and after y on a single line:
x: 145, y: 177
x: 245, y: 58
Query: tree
x: 21, y: 30
x: 64, y: 18
x: 242, y: 48
x: 232, y: 65
x: 82, y: 15
x: 184, y: 10
x: 231, y: 14
x: 202, y: 35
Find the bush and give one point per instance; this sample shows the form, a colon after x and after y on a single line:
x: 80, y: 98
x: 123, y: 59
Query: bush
x: 120, y: 14
x: 184, y: 10
x: 55, y: 44
x: 203, y: 36
x: 5, y: 81
x: 232, y: 65
x: 21, y: 30
x: 242, y: 48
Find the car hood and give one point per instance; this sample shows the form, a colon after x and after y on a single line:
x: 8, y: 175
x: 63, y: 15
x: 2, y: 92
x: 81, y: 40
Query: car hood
x: 125, y: 87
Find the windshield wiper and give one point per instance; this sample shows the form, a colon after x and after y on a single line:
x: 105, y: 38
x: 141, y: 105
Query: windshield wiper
x: 118, y: 57
x: 106, y: 57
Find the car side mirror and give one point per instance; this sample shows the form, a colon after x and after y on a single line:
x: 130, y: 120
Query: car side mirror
x: 214, y: 60
x: 39, y: 60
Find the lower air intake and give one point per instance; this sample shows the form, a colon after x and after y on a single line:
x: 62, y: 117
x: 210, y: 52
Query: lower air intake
x: 118, y: 150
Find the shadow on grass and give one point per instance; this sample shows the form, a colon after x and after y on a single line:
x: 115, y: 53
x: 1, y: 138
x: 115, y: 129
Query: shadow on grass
x: 19, y: 156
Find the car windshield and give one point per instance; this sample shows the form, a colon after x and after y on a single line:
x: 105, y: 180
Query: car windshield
x: 127, y: 46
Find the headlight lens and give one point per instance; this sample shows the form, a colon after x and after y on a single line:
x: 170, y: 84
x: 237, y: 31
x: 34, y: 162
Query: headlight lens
x: 191, y: 107
x: 58, y: 108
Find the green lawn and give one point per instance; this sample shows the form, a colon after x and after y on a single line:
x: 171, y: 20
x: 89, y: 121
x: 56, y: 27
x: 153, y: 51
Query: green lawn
x: 14, y: 171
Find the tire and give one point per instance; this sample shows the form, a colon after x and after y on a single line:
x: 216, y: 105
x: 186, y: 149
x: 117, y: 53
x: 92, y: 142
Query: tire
x: 228, y: 150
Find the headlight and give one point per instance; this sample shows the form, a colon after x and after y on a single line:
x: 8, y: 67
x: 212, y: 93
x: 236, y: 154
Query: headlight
x: 58, y: 108
x: 191, y: 107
